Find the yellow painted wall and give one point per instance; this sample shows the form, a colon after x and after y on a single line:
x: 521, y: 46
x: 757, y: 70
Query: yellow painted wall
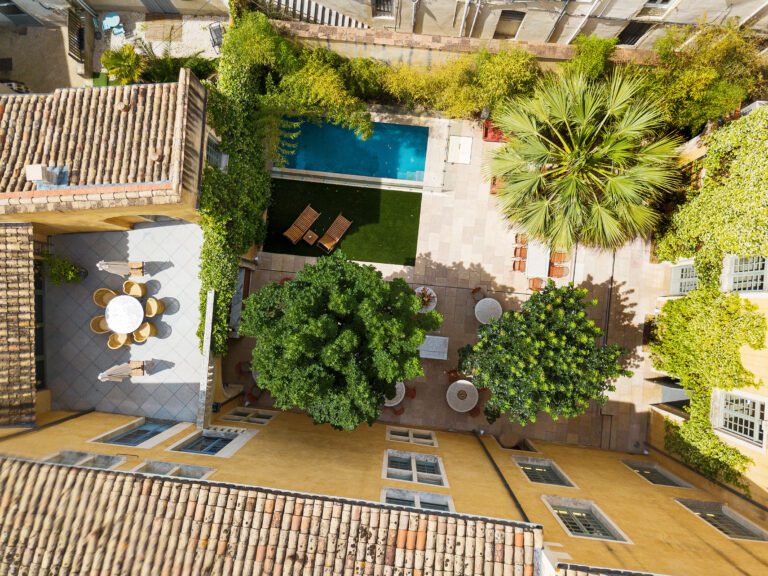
x: 667, y: 538
x: 292, y: 453
x: 100, y: 220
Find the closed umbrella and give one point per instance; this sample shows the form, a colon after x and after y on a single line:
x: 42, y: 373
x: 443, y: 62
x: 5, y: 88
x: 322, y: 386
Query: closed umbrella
x: 120, y: 372
x: 121, y: 268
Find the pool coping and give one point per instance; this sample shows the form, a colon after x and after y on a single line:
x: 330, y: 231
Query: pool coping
x: 434, y: 163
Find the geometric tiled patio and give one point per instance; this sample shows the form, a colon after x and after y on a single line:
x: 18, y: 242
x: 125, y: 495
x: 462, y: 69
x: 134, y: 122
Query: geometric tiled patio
x: 75, y: 356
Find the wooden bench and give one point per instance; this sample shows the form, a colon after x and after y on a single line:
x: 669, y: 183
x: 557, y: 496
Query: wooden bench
x: 301, y: 224
x: 334, y: 233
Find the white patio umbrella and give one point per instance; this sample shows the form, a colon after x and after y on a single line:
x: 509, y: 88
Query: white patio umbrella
x: 120, y: 268
x: 120, y: 372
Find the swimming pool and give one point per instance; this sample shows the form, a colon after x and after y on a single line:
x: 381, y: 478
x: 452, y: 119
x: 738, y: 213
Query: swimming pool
x: 394, y: 151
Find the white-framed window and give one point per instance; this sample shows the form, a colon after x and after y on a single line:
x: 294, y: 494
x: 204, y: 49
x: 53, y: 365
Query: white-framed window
x: 747, y: 274
x: 250, y: 415
x: 725, y: 520
x: 741, y: 416
x: 422, y: 437
x: 219, y: 441
x: 422, y: 500
x: 542, y: 471
x: 654, y: 473
x: 683, y: 279
x: 414, y: 467
x: 143, y: 433
x: 383, y: 8
x: 85, y: 459
x: 583, y: 519
x: 174, y: 470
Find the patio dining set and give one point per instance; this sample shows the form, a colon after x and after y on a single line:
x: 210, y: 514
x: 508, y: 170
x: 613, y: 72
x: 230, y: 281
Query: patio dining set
x: 125, y: 315
x: 461, y: 395
x: 301, y: 229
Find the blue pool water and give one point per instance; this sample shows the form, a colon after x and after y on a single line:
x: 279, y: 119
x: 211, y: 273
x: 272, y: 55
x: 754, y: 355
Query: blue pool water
x: 394, y: 151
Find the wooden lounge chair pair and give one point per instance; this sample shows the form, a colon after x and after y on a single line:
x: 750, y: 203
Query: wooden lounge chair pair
x: 334, y: 233
x: 302, y: 224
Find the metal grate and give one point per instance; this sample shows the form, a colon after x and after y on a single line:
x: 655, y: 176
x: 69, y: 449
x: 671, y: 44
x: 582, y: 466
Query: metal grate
x: 633, y: 32
x: 205, y: 444
x: 148, y: 430
x: 744, y: 417
x: 583, y: 523
x: 714, y: 514
x: 382, y: 8
x: 652, y: 473
x: 543, y: 473
x: 748, y: 274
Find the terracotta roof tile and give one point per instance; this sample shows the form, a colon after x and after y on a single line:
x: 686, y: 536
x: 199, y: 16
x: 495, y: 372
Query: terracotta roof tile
x: 17, y: 325
x: 111, y: 135
x: 71, y: 520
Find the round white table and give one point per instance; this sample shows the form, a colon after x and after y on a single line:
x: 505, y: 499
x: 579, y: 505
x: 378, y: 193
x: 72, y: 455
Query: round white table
x: 398, y: 397
x: 487, y: 309
x: 462, y: 396
x: 124, y: 314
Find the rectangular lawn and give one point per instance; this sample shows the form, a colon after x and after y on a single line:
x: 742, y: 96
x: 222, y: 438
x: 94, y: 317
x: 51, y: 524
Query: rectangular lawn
x: 385, y: 223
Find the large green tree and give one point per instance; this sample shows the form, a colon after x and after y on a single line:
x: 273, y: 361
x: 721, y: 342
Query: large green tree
x: 544, y: 358
x: 334, y: 340
x: 585, y: 162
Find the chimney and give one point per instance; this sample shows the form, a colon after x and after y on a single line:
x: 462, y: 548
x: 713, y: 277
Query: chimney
x: 45, y: 176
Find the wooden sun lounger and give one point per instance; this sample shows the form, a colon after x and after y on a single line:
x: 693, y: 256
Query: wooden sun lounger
x: 334, y: 233
x: 301, y: 224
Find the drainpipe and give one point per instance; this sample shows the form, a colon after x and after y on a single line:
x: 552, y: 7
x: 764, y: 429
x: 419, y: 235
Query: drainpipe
x: 477, y: 11
x: 414, y: 6
x: 479, y: 435
x: 464, y: 18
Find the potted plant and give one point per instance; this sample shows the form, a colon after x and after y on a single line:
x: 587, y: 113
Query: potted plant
x: 62, y: 270
x: 427, y: 298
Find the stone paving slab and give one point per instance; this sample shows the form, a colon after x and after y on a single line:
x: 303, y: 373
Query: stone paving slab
x: 75, y: 355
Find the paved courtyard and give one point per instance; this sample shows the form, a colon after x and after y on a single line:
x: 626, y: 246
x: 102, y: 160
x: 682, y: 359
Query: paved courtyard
x: 75, y: 355
x: 464, y: 243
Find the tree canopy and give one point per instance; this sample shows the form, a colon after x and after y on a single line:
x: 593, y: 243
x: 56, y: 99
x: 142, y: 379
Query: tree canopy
x: 593, y: 55
x: 585, y: 161
x: 544, y: 358
x: 334, y: 340
x: 726, y: 212
x: 706, y: 71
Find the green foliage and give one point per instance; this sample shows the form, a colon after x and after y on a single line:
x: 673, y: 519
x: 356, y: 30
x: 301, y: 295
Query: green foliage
x: 365, y: 77
x: 232, y: 207
x: 593, y: 56
x: 698, y: 446
x: 585, y: 161
x: 61, y: 270
x: 124, y: 65
x: 543, y: 358
x: 334, y: 340
x: 705, y: 72
x: 728, y: 214
x: 698, y: 339
x: 462, y: 87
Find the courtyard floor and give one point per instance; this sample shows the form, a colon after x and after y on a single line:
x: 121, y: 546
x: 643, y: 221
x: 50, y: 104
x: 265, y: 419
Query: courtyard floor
x: 463, y: 243
x: 74, y: 355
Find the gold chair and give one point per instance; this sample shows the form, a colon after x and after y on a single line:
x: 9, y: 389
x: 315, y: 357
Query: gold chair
x: 102, y: 296
x: 135, y: 289
x: 153, y: 307
x: 143, y: 332
x: 116, y: 341
x: 99, y: 325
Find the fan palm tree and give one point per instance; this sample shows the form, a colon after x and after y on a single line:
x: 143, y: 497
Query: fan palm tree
x: 123, y: 65
x: 585, y: 161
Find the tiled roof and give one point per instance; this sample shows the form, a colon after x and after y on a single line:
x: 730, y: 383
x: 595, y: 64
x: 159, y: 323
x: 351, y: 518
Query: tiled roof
x: 17, y: 325
x: 60, y: 519
x: 111, y: 135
